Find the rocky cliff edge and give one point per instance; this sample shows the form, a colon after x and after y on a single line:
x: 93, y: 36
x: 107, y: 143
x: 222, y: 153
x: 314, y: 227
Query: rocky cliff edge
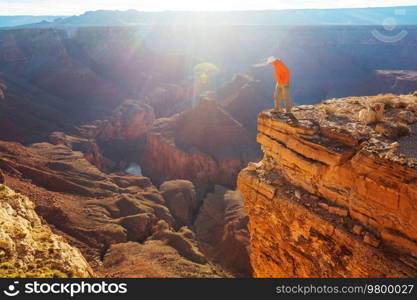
x: 333, y: 196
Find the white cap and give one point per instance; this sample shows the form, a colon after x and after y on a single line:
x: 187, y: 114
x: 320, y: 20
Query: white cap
x: 271, y: 59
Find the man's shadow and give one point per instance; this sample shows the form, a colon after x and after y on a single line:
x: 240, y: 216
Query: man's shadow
x: 292, y: 117
x: 286, y: 116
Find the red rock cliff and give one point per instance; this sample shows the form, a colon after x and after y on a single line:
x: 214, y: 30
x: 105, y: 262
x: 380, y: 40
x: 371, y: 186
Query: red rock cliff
x: 333, y: 197
x: 204, y: 145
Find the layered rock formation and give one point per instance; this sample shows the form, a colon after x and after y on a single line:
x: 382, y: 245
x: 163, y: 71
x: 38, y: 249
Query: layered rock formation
x: 110, y: 144
x: 115, y: 220
x: 44, y: 58
x: 28, y: 248
x: 400, y: 81
x: 333, y: 197
x: 204, y: 145
x: 80, y: 75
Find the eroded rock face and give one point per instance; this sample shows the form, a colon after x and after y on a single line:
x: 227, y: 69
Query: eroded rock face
x: 169, y: 99
x: 76, y: 197
x: 29, y: 248
x: 331, y: 196
x: 221, y: 228
x: 204, y: 145
x: 153, y: 259
x: 110, y: 216
x: 183, y: 241
x: 86, y: 145
x: 400, y: 81
x: 119, y: 138
x: 128, y: 122
x: 138, y: 226
x: 44, y: 56
x: 110, y: 144
x: 181, y: 198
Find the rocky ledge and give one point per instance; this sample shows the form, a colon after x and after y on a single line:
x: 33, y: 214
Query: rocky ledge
x: 28, y: 248
x: 334, y: 196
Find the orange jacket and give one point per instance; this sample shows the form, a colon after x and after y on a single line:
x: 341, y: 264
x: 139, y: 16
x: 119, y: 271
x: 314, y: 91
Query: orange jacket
x: 282, y: 73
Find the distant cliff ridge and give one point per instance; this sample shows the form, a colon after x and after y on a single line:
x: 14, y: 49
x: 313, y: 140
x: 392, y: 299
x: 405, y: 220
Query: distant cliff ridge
x: 334, y: 197
x: 11, y: 21
x: 406, y: 15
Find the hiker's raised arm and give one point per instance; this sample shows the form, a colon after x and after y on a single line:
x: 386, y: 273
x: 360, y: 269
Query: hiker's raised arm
x: 260, y: 65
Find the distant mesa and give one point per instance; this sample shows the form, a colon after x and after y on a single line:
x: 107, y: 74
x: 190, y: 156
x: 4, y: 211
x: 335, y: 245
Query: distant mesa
x: 343, y: 16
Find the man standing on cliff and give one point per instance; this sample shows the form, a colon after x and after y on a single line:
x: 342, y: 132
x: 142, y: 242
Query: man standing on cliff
x: 282, y: 77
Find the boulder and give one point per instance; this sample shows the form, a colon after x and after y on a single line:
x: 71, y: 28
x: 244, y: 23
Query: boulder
x: 180, y: 197
x: 407, y: 116
x: 138, y: 226
x: 221, y: 228
x: 179, y: 241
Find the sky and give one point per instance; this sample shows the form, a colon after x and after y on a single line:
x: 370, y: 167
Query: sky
x: 76, y: 7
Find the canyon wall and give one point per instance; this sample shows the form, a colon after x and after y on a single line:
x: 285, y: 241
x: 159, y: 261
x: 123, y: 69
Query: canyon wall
x: 116, y: 220
x: 332, y: 197
x: 205, y: 145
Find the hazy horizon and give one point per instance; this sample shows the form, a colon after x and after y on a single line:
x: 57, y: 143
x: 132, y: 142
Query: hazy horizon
x: 50, y: 7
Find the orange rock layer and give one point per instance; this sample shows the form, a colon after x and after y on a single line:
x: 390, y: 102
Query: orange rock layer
x: 321, y: 204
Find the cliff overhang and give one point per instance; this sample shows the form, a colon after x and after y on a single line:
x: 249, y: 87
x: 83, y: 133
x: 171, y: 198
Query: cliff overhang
x: 332, y: 197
